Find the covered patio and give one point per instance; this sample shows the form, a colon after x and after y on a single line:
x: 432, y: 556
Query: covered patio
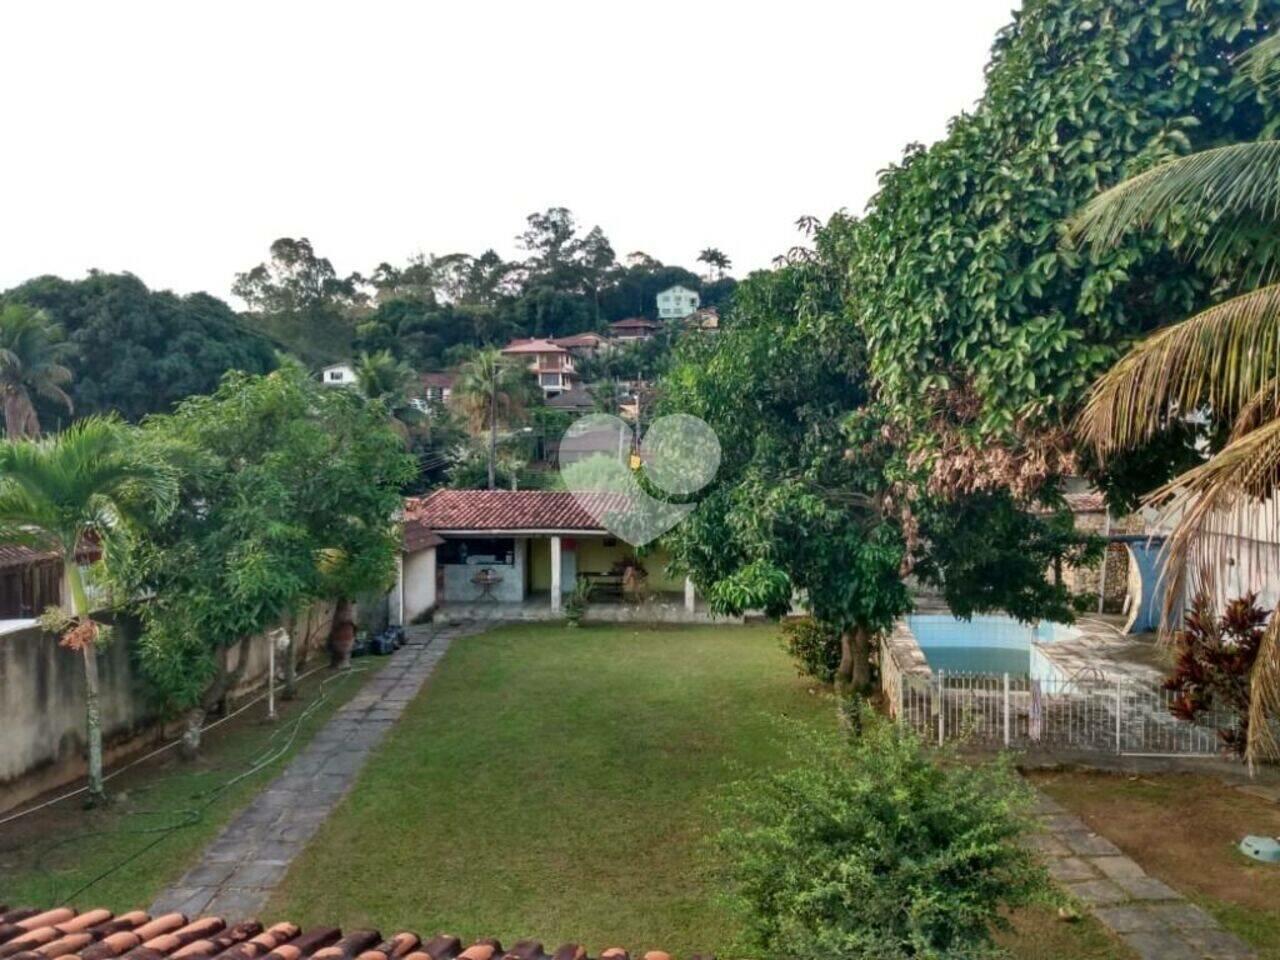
x: 517, y: 555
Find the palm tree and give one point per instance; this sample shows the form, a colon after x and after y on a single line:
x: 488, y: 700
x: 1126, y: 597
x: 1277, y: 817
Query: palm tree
x: 717, y: 263
x: 31, y: 362
x: 491, y: 387
x: 1222, y: 364
x: 56, y: 492
x: 380, y: 376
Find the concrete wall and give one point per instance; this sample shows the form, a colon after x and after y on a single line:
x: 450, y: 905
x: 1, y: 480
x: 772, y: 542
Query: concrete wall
x: 458, y: 587
x: 418, y: 583
x: 42, y: 721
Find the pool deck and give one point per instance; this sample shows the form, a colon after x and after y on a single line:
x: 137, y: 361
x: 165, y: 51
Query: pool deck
x: 1102, y: 649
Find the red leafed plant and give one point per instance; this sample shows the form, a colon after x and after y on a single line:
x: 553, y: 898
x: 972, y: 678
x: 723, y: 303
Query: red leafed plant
x: 1215, y: 657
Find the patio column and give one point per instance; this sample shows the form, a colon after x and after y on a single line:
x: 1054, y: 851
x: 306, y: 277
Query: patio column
x: 689, y: 595
x: 555, y: 574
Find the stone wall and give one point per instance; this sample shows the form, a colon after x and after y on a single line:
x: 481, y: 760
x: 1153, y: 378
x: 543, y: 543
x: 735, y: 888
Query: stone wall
x: 1087, y: 579
x: 42, y: 720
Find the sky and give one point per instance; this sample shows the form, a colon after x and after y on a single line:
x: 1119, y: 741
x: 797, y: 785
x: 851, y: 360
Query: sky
x: 177, y: 140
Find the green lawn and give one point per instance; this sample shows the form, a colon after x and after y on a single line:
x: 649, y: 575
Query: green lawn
x: 162, y: 813
x: 555, y: 783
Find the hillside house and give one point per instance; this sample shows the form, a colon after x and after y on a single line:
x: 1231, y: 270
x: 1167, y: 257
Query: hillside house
x: 437, y: 387
x: 338, y: 375
x: 584, y: 345
x: 676, y: 303
x: 552, y: 364
x: 634, y: 328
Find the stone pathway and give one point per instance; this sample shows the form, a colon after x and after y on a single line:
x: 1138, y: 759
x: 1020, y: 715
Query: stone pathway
x: 1152, y: 918
x: 243, y: 864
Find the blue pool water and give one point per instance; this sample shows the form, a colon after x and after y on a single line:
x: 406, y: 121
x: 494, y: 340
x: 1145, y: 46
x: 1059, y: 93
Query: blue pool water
x: 984, y: 644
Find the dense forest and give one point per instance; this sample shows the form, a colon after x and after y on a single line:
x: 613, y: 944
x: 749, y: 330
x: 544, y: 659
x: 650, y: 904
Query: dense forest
x: 135, y: 350
x: 434, y: 309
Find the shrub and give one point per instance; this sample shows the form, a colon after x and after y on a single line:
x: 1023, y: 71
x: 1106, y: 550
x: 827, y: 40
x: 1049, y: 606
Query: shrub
x: 1215, y: 657
x: 575, y: 603
x: 814, y: 646
x: 874, y: 846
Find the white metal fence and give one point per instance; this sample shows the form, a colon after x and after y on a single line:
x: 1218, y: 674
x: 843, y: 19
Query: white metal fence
x: 1120, y: 716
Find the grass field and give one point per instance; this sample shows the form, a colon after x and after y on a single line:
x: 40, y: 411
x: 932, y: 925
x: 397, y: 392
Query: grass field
x: 162, y: 812
x: 555, y: 783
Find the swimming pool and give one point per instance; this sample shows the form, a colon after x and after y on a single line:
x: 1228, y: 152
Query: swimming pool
x: 987, y: 644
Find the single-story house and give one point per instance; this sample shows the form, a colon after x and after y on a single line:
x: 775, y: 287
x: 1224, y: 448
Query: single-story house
x: 437, y: 386
x: 634, y: 328
x: 338, y: 375
x: 516, y: 554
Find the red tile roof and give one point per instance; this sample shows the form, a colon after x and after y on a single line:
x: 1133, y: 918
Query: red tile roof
x: 62, y: 934
x: 580, y: 340
x: 533, y: 346
x: 450, y: 510
x: 635, y: 323
x: 439, y: 378
x: 16, y: 555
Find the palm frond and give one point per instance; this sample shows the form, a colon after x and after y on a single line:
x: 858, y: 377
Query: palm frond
x: 1224, y: 192
x: 1261, y: 62
x: 1264, y: 696
x: 1220, y: 361
x: 1217, y: 511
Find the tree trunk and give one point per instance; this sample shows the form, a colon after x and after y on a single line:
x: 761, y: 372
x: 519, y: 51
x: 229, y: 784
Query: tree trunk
x: 493, y: 438
x: 861, y: 677
x: 216, y: 693
x: 343, y: 635
x: 92, y: 710
x: 853, y: 674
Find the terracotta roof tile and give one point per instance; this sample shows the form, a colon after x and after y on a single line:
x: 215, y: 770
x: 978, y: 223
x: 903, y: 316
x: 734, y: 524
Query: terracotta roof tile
x: 634, y: 323
x: 63, y: 934
x: 447, y: 510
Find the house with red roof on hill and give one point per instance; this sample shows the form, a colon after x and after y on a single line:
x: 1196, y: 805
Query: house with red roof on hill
x: 552, y: 364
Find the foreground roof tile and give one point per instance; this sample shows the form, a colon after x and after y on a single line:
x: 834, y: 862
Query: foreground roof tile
x: 64, y: 934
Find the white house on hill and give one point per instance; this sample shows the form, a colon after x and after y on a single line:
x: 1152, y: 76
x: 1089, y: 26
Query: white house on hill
x: 338, y: 375
x: 676, y: 303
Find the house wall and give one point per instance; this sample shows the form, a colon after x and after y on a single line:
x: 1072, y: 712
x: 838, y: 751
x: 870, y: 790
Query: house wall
x: 42, y: 721
x: 458, y: 587
x: 418, y: 581
x: 590, y: 555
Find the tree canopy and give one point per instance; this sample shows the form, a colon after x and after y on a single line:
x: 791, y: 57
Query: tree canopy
x: 288, y: 493
x: 135, y: 351
x: 983, y: 328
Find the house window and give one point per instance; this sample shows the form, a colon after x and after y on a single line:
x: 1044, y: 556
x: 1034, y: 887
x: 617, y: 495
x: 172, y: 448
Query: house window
x: 550, y: 379
x: 486, y: 551
x: 335, y: 374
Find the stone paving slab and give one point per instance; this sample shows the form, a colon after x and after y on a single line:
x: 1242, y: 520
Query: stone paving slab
x: 1149, y: 916
x: 242, y: 865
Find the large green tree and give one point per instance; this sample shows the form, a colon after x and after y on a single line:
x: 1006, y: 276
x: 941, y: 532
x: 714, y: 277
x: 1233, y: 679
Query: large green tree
x: 983, y: 329
x: 288, y: 490
x: 299, y: 300
x: 806, y: 506
x: 136, y: 351
x: 64, y: 493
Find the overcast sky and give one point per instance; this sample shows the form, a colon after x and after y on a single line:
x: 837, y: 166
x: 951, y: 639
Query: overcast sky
x: 177, y: 140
